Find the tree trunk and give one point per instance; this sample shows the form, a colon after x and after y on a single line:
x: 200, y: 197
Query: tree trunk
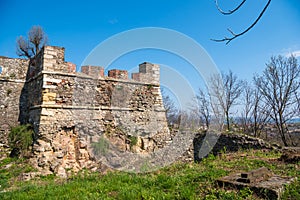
x: 282, y: 129
x: 282, y: 134
x: 227, y: 121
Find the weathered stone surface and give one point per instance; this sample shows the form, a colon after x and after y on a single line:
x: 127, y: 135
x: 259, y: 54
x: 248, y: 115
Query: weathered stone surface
x: 290, y: 154
x: 261, y: 174
x: 12, y: 78
x: 261, y: 181
x: 229, y: 142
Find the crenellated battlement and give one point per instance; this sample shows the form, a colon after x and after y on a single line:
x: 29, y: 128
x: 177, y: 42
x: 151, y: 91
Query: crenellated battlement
x: 148, y: 73
x: 118, y: 74
x: 52, y: 59
x: 93, y: 71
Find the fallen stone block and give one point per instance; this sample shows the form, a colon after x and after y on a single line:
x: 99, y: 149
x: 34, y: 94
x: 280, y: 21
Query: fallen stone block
x: 290, y: 155
x: 254, y: 176
x: 261, y: 181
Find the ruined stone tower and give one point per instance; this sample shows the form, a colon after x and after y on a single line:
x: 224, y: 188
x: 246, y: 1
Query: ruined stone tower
x: 72, y: 112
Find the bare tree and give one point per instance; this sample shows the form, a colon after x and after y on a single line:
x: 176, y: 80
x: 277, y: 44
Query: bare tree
x: 172, y: 112
x: 31, y: 46
x: 248, y: 105
x: 215, y: 90
x: 260, y: 113
x: 255, y: 113
x: 203, y: 107
x: 226, y: 93
x: 279, y: 85
x: 229, y: 12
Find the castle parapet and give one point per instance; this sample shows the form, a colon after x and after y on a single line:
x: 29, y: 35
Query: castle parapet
x: 51, y: 59
x: 148, y: 73
x: 118, y: 74
x: 93, y: 71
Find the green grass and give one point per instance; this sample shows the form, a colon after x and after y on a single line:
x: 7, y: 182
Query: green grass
x: 10, y: 170
x: 178, y: 181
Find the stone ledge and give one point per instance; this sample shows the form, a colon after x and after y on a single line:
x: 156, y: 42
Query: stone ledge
x: 86, y: 107
x: 84, y: 76
x: 58, y: 73
x: 11, y: 80
x: 51, y: 73
x: 80, y: 107
x: 130, y: 81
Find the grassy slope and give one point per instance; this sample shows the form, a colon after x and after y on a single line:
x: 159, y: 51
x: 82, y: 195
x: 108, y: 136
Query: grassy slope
x: 178, y: 181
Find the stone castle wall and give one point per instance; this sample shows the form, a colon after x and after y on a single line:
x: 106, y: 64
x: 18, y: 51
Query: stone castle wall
x: 71, y: 111
x: 74, y: 112
x: 226, y: 143
x: 12, y: 79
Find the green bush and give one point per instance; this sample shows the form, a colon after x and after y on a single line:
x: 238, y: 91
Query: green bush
x: 20, y: 140
x: 133, y: 140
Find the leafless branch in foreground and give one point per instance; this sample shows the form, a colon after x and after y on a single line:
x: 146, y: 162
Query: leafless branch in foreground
x: 229, y: 12
x: 233, y: 34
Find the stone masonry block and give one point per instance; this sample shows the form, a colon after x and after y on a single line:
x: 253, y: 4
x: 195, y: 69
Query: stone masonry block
x: 94, y: 71
x: 118, y: 74
x: 71, y: 67
x: 135, y: 76
x: 149, y: 72
x: 49, y: 96
x: 48, y: 56
x: 145, y: 67
x: 53, y: 53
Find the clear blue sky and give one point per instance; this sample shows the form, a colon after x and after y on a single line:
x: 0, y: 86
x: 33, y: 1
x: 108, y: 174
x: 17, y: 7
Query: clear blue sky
x: 80, y: 26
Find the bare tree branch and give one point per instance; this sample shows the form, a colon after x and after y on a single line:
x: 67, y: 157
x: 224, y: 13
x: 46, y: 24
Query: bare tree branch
x: 24, y: 48
x: 31, y: 46
x: 235, y: 35
x: 229, y: 12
